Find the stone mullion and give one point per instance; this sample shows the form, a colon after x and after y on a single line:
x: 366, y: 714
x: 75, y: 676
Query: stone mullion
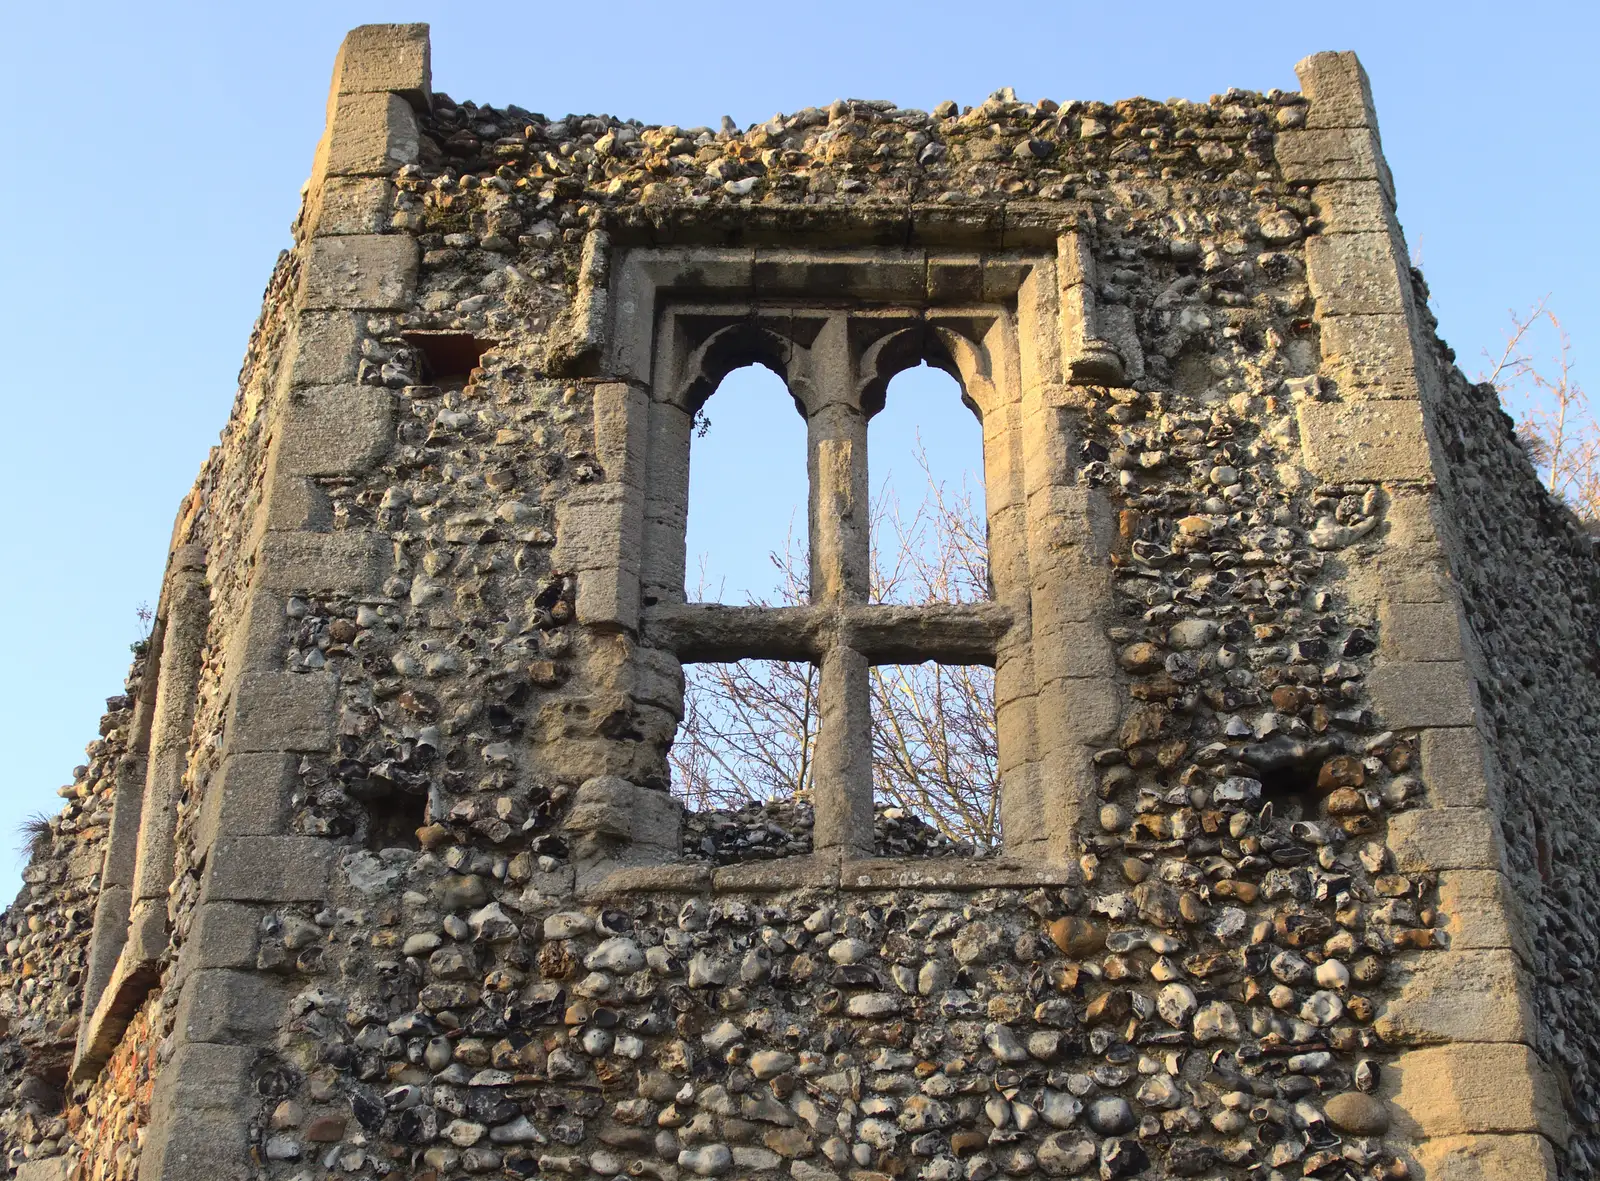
x: 842, y: 781
x: 840, y: 578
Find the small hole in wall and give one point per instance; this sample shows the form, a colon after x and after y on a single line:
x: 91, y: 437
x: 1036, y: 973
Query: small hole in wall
x: 393, y: 820
x: 1292, y: 791
x: 448, y: 358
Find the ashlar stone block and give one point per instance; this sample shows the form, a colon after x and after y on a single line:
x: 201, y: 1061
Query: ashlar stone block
x: 219, y: 1005
x: 1356, y: 274
x: 336, y: 430
x: 393, y: 58
x: 268, y: 869
x: 1454, y: 769
x: 1370, y: 355
x: 371, y: 135
x: 325, y: 348
x: 1365, y: 441
x: 365, y: 272
x: 1481, y: 911
x: 616, y: 824
x: 199, y: 1114
x: 348, y: 562
x: 1420, y: 631
x: 1352, y: 206
x: 1487, y: 1158
x: 224, y: 935
x: 352, y: 205
x: 1413, y: 695
x: 1337, y: 86
x: 203, y: 1145
x: 1310, y: 156
x: 1434, y: 839
x: 1460, y: 995
x: 278, y: 712
x: 249, y: 797
x: 1488, y: 1087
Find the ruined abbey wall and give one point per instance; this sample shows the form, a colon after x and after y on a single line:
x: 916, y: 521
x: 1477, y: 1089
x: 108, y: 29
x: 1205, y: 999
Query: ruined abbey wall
x: 375, y: 872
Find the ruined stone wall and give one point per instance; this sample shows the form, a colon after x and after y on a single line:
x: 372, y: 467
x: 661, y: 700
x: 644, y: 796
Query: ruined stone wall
x: 431, y: 912
x: 46, y: 934
x: 1528, y: 576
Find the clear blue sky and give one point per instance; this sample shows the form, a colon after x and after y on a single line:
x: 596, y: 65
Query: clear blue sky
x: 158, y: 152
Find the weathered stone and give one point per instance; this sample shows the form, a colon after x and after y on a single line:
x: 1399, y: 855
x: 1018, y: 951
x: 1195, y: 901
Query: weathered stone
x: 1364, y: 441
x: 369, y: 272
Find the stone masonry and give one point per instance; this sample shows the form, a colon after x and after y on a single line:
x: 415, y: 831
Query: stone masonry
x: 375, y: 870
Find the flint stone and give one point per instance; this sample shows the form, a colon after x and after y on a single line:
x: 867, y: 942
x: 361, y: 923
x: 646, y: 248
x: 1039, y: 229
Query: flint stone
x: 706, y: 1161
x: 1358, y: 1114
x: 1063, y: 1155
x: 1111, y: 1115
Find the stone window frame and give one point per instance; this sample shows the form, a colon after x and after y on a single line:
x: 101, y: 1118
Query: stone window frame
x: 1011, y: 313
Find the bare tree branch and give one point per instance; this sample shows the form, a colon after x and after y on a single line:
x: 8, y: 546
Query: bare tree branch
x: 1554, y: 422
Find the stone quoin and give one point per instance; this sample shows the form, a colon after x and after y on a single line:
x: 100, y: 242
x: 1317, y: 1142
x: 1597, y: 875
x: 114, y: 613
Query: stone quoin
x: 374, y: 870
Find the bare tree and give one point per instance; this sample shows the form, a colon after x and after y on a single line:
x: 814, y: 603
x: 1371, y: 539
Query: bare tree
x: 749, y: 728
x: 1554, y: 421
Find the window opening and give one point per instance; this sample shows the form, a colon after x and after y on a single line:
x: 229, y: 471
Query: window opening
x: 929, y: 529
x: 742, y: 757
x: 935, y: 762
x: 747, y: 494
x: 816, y: 601
x: 935, y: 769
x: 394, y: 818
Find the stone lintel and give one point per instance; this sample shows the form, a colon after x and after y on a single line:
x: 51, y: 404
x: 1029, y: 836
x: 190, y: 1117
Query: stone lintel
x: 136, y: 972
x: 954, y: 873
x: 827, y: 872
x: 953, y: 633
